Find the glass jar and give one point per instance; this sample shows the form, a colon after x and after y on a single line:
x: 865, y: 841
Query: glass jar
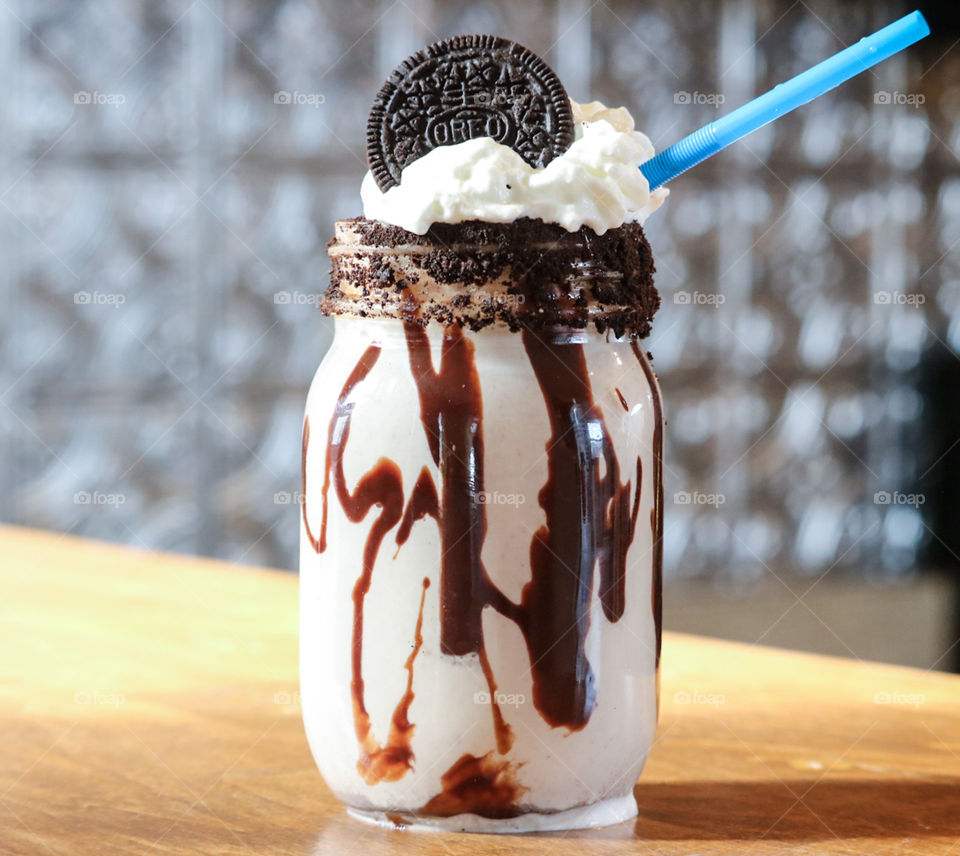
x: 480, y: 572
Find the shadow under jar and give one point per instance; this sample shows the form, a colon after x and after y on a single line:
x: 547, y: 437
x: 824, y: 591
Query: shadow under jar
x: 481, y: 526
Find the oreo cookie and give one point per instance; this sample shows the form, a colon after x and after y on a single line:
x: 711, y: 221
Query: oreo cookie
x: 462, y: 88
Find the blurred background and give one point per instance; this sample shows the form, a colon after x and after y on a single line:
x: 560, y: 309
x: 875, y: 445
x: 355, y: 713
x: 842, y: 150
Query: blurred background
x: 169, y: 177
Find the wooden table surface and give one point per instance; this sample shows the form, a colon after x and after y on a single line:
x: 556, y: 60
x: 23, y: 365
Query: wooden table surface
x: 148, y: 704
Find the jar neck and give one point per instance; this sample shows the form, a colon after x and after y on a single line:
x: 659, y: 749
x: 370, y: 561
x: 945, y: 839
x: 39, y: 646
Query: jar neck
x: 393, y: 332
x: 526, y: 274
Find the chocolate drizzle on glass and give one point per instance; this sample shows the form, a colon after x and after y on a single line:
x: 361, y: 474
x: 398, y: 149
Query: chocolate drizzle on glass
x: 589, y: 523
x: 451, y: 410
x: 656, y: 513
x: 486, y: 786
x: 382, y: 486
x: 578, y: 553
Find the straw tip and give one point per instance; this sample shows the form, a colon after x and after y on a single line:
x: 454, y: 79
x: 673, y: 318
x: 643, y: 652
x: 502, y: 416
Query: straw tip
x: 919, y: 22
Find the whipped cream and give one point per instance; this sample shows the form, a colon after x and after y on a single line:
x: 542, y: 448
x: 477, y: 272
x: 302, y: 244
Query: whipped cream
x: 596, y: 182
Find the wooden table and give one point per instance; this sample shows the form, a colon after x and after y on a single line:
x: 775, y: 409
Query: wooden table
x: 148, y: 704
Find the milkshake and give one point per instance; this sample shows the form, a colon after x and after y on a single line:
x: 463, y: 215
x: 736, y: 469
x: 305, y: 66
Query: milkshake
x: 482, y: 460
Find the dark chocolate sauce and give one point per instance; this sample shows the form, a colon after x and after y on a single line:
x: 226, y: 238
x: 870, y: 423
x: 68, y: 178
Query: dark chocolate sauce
x: 623, y: 401
x: 381, y: 486
x: 423, y: 502
x: 589, y: 520
x: 485, y: 786
x: 451, y: 410
x: 656, y: 512
x: 588, y: 523
x: 319, y: 545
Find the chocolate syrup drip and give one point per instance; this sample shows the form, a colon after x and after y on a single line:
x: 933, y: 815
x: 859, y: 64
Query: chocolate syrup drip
x: 588, y: 522
x: 502, y: 731
x: 390, y: 762
x: 613, y: 573
x: 451, y: 410
x: 423, y: 501
x: 483, y: 786
x: 319, y: 545
x: 381, y: 486
x: 656, y: 512
x: 623, y: 401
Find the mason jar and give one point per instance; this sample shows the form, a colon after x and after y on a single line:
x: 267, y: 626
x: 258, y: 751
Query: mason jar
x: 481, y: 527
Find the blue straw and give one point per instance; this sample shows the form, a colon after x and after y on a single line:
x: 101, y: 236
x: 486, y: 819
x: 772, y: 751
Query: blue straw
x: 780, y: 100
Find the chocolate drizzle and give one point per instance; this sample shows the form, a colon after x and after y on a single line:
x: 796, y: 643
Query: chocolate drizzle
x: 318, y: 544
x: 423, y: 502
x: 452, y: 414
x: 590, y: 519
x: 381, y: 486
x: 485, y: 786
x: 588, y: 522
x: 656, y: 512
x: 451, y: 410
